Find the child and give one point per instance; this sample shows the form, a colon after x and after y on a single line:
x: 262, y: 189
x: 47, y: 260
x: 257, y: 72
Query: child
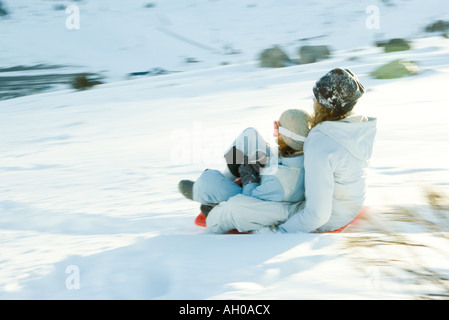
x: 262, y: 175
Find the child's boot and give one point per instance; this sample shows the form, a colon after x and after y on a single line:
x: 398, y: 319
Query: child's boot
x: 186, y: 188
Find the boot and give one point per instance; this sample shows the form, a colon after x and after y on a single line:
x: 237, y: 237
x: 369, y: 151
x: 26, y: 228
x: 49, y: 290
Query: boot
x: 206, y: 208
x: 186, y: 188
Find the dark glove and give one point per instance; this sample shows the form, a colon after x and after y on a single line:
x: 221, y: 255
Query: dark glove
x: 249, y: 174
x: 250, y: 170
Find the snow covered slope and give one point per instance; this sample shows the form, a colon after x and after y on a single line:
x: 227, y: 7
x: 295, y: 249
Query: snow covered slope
x: 119, y: 37
x: 89, y: 207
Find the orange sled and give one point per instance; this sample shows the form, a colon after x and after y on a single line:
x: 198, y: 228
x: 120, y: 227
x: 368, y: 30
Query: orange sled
x: 201, y: 221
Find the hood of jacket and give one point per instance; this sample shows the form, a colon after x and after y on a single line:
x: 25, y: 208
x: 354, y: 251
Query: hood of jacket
x: 356, y: 133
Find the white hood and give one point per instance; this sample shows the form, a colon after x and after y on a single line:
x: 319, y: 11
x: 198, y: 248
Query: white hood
x: 356, y: 133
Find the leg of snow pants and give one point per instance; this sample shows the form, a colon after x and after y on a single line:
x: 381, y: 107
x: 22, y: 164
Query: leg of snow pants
x: 213, y: 187
x: 246, y: 214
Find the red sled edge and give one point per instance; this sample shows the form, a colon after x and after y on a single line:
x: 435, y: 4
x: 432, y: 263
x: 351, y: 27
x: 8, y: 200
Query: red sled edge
x: 201, y: 221
x: 358, y: 216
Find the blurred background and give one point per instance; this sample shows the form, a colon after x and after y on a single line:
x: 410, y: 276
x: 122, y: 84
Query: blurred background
x: 46, y: 43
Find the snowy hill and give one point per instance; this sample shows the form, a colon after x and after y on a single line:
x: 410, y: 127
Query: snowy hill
x: 89, y: 206
x: 116, y: 37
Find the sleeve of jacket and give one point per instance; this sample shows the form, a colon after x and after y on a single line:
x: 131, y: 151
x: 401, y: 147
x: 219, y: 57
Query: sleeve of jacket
x: 270, y: 189
x: 319, y: 189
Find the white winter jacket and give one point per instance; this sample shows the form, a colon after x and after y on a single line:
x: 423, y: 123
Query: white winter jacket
x: 336, y: 162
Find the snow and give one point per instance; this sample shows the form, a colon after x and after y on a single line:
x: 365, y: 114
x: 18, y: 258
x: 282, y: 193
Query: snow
x: 89, y: 206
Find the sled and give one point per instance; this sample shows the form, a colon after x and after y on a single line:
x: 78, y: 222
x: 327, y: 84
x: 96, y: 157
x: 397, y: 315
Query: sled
x: 201, y: 221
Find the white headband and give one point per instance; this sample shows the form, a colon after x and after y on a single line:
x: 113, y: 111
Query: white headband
x: 291, y: 135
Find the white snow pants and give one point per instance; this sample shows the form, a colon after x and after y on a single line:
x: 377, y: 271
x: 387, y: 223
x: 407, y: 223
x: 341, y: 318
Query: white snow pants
x: 247, y: 214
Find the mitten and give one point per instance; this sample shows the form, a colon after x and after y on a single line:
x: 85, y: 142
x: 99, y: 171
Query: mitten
x: 249, y: 173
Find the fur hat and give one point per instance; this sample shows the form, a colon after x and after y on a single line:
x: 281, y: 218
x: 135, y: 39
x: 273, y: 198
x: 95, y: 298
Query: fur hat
x: 339, y: 89
x: 296, y: 122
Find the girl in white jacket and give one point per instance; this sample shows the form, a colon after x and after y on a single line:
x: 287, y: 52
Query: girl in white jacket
x: 336, y: 157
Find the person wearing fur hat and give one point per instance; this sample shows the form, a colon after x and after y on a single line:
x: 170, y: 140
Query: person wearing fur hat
x: 336, y: 158
x: 262, y: 174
